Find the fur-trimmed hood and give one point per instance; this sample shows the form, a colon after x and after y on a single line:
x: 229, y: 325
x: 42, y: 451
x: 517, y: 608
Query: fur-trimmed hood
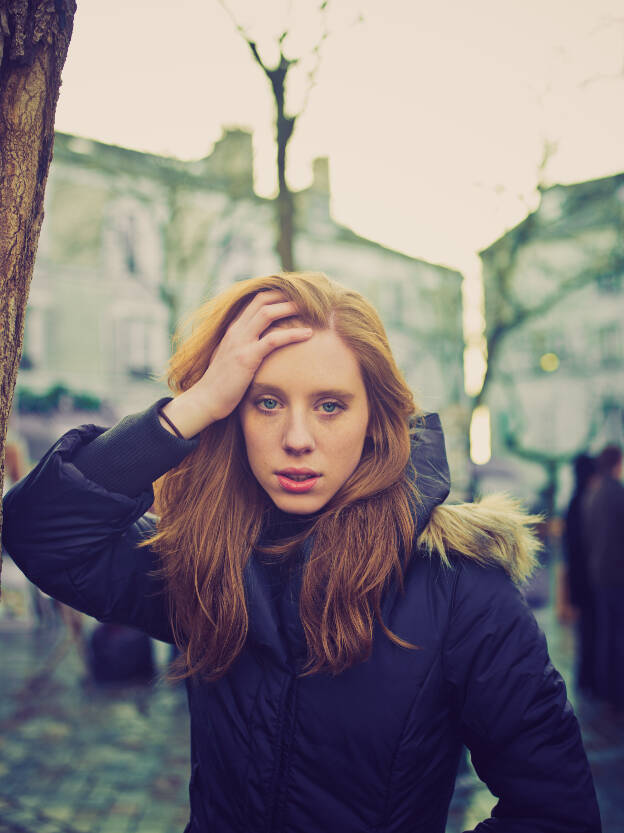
x: 496, y: 530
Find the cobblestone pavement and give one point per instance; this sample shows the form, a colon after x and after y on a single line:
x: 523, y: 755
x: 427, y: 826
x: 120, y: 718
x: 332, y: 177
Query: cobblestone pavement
x: 79, y: 759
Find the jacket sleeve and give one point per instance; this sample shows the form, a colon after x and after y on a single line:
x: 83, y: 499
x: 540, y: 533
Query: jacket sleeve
x: 514, y: 715
x: 78, y: 540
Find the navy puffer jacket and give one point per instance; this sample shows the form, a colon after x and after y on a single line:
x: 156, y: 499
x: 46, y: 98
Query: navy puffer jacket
x: 375, y: 748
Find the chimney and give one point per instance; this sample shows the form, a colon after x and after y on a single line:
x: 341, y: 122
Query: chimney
x: 320, y: 175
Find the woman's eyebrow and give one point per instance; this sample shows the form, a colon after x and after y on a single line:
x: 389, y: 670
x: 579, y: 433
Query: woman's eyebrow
x: 259, y: 388
x: 334, y: 392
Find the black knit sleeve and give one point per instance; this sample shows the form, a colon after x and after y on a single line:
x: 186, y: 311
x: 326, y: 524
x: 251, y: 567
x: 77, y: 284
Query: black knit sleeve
x: 130, y: 456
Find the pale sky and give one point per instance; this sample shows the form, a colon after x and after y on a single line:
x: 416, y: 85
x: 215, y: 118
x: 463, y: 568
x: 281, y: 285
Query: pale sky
x: 433, y: 115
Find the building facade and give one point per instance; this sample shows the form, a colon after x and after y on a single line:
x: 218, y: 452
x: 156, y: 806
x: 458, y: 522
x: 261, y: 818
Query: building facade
x: 132, y: 242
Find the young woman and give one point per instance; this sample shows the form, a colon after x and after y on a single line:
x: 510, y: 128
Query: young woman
x: 342, y: 632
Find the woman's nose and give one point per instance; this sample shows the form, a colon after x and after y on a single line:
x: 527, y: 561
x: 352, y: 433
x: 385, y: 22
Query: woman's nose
x: 298, y: 437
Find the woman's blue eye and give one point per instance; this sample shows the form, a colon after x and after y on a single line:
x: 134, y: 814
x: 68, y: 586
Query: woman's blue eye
x: 330, y: 407
x: 268, y: 404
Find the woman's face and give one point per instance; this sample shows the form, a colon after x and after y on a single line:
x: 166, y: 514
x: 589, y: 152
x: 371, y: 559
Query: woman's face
x: 304, y: 419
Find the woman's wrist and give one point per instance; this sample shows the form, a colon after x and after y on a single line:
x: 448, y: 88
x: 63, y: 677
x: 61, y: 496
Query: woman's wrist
x: 188, y: 413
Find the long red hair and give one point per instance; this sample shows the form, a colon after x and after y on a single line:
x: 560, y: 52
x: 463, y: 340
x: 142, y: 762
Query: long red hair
x: 211, y: 507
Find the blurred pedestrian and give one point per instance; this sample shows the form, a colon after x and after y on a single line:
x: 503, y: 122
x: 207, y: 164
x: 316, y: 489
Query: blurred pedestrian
x: 580, y: 593
x: 604, y: 524
x: 342, y: 633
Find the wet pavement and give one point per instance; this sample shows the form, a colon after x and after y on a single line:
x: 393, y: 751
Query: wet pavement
x: 76, y: 758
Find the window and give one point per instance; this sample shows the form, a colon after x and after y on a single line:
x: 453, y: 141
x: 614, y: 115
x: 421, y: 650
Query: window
x: 141, y: 346
x: 613, y: 416
x: 138, y: 359
x: 34, y: 346
x: 610, y: 284
x: 132, y: 240
x: 610, y: 345
x: 127, y: 242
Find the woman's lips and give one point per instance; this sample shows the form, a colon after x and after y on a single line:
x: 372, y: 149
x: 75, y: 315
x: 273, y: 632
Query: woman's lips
x: 297, y: 481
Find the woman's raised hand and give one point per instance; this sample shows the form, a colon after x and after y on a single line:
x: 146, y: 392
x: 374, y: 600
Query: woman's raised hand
x: 234, y: 363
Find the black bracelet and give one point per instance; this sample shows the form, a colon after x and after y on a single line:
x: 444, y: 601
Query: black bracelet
x: 168, y: 421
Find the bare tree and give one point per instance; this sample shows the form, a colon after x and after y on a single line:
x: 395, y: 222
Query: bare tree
x: 285, y: 122
x: 509, y: 309
x: 34, y: 38
x: 509, y: 312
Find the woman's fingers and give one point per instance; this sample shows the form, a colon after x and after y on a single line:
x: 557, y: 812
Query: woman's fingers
x: 265, y: 309
x: 260, y: 300
x: 264, y: 314
x: 269, y: 313
x: 281, y: 337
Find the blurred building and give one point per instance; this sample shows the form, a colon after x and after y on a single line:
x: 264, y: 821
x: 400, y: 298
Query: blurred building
x: 132, y: 242
x: 554, y: 289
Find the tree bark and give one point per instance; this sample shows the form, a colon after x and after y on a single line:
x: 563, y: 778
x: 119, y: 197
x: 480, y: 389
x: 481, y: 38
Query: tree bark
x: 284, y: 127
x: 34, y: 38
x: 285, y: 202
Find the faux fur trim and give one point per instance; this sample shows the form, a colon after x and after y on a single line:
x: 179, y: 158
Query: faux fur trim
x: 496, y: 530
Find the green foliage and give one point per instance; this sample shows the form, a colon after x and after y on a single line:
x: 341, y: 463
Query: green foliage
x: 31, y: 402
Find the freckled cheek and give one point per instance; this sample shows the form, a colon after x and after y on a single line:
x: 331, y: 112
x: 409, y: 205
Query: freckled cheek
x: 347, y: 450
x: 261, y: 441
x: 253, y: 435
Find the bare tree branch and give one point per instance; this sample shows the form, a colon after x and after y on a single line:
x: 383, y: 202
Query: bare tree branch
x: 284, y: 125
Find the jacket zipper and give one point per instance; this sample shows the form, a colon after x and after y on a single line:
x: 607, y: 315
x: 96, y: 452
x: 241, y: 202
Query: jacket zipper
x: 283, y: 747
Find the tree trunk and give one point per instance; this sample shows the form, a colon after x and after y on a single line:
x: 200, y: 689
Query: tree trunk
x: 34, y: 38
x: 285, y: 222
x: 285, y: 204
